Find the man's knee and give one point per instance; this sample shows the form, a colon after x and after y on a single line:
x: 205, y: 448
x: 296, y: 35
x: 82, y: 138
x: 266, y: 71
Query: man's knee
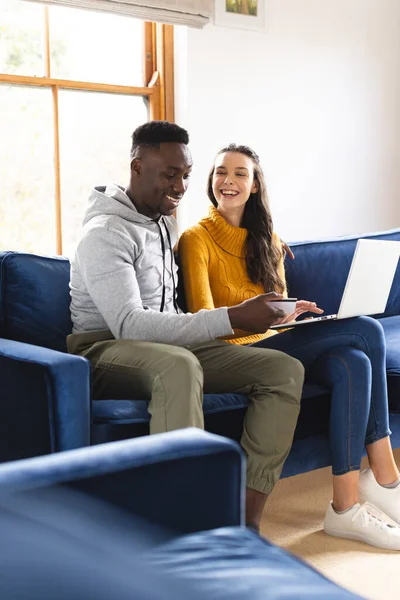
x: 286, y: 369
x: 284, y: 363
x: 185, y: 364
x: 295, y: 367
x: 177, y: 393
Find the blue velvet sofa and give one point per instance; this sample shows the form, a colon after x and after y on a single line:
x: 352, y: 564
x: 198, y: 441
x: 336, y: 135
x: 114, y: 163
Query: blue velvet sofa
x: 67, y: 513
x: 46, y: 395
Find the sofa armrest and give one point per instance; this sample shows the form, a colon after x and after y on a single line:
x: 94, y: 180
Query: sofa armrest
x: 45, y: 401
x: 187, y: 480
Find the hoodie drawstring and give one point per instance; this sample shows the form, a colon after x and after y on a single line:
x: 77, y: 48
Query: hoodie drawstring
x: 162, y: 305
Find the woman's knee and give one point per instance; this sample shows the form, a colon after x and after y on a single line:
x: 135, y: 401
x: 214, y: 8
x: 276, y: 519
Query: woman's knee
x: 371, y: 329
x: 347, y: 362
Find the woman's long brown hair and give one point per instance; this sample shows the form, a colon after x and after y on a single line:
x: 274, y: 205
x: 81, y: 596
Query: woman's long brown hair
x: 262, y: 255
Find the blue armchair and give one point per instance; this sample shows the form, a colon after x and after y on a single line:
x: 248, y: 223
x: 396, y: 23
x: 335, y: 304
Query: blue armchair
x: 191, y: 484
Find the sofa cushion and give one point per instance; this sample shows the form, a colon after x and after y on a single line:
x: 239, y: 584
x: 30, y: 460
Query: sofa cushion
x: 235, y: 563
x: 135, y: 411
x: 34, y: 299
x: 319, y: 271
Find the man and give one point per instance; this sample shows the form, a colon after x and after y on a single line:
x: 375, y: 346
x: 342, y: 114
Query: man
x: 127, y: 323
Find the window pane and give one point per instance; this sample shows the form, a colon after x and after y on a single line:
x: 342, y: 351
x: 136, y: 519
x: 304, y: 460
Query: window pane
x: 99, y: 47
x: 27, y: 217
x: 21, y: 38
x: 95, y: 132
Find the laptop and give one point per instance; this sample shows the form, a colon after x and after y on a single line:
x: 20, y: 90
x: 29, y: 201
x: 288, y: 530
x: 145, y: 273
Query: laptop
x: 368, y: 283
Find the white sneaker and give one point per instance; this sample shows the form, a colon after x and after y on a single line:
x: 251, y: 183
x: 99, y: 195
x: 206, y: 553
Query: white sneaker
x: 386, y: 499
x: 361, y: 523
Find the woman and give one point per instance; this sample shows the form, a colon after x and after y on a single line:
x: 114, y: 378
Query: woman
x: 232, y: 255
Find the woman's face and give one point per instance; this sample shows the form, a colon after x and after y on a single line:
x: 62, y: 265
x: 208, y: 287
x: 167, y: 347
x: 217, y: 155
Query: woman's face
x: 233, y: 180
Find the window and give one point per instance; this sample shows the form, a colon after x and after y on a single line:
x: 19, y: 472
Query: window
x: 69, y: 99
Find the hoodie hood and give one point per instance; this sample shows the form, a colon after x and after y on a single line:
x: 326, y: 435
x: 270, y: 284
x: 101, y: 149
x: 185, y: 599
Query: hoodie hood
x: 111, y: 200
x: 117, y: 235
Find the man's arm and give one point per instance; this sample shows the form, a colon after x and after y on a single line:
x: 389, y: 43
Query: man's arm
x: 107, y: 269
x: 106, y: 264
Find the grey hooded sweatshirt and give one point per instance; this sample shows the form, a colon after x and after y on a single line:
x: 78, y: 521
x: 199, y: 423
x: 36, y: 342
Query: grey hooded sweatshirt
x: 123, y: 274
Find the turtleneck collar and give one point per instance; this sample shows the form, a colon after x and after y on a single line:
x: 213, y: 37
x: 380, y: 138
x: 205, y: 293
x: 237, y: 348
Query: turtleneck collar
x: 229, y: 238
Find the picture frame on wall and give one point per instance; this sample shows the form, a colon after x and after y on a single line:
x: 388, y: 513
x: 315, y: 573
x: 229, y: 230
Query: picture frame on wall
x: 240, y: 14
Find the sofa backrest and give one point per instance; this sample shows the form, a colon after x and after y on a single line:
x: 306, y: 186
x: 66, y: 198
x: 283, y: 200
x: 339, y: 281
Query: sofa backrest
x: 34, y: 299
x: 34, y: 290
x: 320, y: 268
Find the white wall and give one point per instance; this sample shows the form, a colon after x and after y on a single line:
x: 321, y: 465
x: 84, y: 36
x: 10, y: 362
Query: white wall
x: 318, y: 97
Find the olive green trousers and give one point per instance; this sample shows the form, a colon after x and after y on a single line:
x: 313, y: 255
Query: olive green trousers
x: 174, y: 378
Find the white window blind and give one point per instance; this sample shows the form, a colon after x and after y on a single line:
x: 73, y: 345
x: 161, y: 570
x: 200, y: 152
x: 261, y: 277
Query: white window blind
x: 194, y: 13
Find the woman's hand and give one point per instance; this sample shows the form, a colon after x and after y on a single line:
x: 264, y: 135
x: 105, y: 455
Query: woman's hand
x: 287, y: 250
x: 302, y: 306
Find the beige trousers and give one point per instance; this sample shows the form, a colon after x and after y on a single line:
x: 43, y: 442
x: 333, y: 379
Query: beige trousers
x: 174, y: 379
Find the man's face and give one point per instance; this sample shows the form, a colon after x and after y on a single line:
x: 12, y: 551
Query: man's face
x: 160, y: 178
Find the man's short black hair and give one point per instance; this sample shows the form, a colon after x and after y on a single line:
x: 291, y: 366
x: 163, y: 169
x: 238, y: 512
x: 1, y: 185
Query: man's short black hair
x: 154, y: 133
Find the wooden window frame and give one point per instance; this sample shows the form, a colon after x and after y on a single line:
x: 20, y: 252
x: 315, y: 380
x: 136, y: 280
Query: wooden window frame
x: 158, y: 72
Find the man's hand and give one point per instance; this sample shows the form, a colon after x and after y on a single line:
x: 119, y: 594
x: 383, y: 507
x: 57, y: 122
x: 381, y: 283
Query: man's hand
x: 256, y: 314
x: 302, y: 306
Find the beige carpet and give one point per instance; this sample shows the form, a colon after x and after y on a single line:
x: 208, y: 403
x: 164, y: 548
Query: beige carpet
x: 293, y: 520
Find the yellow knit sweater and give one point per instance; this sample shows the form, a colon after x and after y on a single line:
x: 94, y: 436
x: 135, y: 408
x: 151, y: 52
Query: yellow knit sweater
x: 212, y: 257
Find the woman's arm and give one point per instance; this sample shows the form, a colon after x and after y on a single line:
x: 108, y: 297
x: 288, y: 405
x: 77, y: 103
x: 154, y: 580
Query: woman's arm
x: 194, y: 261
